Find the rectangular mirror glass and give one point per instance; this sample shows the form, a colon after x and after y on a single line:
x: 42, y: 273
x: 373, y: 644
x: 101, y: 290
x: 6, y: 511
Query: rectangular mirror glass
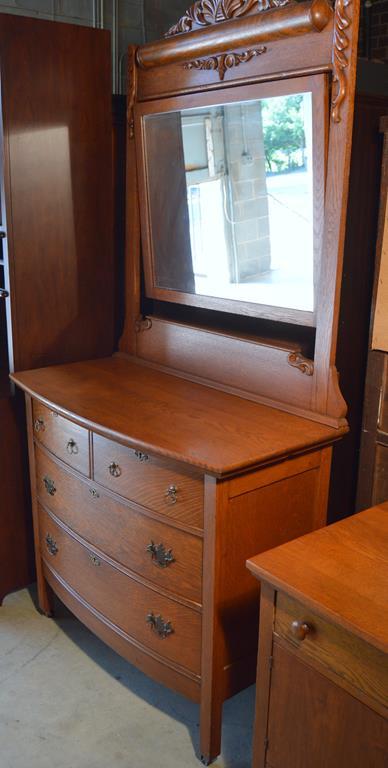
x: 231, y: 193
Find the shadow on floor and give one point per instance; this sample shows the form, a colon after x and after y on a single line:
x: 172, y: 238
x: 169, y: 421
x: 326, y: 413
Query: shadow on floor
x: 238, y: 712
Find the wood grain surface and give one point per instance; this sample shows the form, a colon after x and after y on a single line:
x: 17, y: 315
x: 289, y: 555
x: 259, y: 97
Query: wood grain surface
x: 62, y: 437
x: 339, y: 571
x: 123, y: 600
x: 120, y: 531
x: 160, y: 413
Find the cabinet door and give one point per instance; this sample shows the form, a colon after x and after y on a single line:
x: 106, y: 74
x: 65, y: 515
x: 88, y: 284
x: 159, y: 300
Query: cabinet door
x: 313, y: 722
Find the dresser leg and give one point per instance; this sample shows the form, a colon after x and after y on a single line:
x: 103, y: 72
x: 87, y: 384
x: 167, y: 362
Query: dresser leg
x: 210, y: 730
x: 45, y: 597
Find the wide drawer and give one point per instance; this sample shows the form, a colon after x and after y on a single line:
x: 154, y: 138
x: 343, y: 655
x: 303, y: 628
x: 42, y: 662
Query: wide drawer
x: 166, y: 487
x: 170, y: 558
x: 62, y: 437
x: 168, y: 628
x: 339, y: 651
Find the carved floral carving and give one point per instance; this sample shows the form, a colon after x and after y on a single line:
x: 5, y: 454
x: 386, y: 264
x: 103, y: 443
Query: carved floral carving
x: 205, y: 12
x: 225, y: 61
x: 340, y: 59
x: 302, y: 363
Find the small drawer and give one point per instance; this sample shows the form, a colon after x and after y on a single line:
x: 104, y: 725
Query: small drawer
x: 341, y: 652
x: 62, y: 437
x: 164, y: 626
x: 164, y: 555
x: 163, y: 486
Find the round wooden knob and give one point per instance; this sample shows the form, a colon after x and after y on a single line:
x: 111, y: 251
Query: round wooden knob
x: 300, y: 629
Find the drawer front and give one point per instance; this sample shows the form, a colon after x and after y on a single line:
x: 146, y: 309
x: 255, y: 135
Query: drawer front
x: 168, y: 557
x: 341, y: 652
x: 66, y: 440
x: 171, y: 630
x: 162, y: 486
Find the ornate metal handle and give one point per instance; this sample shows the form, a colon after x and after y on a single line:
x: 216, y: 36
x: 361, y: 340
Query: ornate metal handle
x: 49, y: 485
x: 95, y: 561
x: 300, y: 629
x: 142, y: 456
x: 3, y: 293
x: 159, y: 626
x: 159, y: 555
x: 95, y: 494
x: 51, y: 545
x: 171, y: 494
x: 114, y: 469
x: 39, y: 425
x: 72, y: 447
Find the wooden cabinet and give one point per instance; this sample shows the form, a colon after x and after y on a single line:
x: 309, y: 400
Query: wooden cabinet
x: 143, y: 528
x: 323, y: 648
x: 56, y: 241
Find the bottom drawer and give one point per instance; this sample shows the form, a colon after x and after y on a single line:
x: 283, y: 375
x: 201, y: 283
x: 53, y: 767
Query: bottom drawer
x: 170, y: 629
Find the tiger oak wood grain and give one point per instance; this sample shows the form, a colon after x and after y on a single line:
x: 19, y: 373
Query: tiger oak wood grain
x: 217, y: 432
x: 148, y: 481
x: 62, y: 437
x: 120, y: 531
x: 160, y: 669
x: 123, y: 600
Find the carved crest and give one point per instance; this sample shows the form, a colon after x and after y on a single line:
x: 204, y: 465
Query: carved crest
x: 225, y: 61
x: 205, y: 12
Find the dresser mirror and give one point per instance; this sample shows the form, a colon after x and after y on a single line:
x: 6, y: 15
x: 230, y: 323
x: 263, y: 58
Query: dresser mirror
x: 234, y: 183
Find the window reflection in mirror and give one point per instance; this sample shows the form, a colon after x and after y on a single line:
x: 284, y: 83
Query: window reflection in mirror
x: 231, y: 203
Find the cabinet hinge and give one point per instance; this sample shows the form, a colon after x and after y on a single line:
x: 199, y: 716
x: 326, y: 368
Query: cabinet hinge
x: 270, y: 662
x: 266, y: 743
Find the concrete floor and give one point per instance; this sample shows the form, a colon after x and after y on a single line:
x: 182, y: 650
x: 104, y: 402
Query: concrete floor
x: 68, y: 701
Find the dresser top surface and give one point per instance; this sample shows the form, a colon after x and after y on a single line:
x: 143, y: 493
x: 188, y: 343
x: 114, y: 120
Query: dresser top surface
x: 340, y: 571
x: 161, y: 413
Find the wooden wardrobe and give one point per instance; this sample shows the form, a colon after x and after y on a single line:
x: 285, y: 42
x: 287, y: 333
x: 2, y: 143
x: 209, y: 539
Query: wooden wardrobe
x: 207, y: 438
x: 56, y: 265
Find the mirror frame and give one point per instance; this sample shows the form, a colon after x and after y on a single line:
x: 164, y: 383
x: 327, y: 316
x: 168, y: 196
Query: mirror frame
x: 213, y: 47
x: 317, y: 85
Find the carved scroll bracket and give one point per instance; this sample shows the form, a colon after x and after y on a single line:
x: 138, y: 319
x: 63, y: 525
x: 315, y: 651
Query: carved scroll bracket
x: 225, y: 61
x: 206, y: 12
x: 342, y: 23
x: 302, y: 363
x: 143, y: 324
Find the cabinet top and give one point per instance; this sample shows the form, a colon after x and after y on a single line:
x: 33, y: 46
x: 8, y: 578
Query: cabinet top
x: 157, y: 412
x: 340, y: 571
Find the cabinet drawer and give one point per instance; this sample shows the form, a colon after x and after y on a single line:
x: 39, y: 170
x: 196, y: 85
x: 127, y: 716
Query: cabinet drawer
x: 168, y: 557
x: 163, y: 486
x: 341, y: 652
x: 66, y: 440
x: 168, y: 628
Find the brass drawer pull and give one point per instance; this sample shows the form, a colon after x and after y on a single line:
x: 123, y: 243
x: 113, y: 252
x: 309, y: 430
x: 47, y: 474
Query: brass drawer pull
x: 95, y: 494
x: 142, y: 456
x: 171, y: 494
x: 51, y: 545
x: 72, y: 447
x: 95, y: 561
x: 114, y: 469
x: 39, y: 425
x: 300, y: 630
x: 159, y: 626
x: 49, y: 485
x: 159, y: 555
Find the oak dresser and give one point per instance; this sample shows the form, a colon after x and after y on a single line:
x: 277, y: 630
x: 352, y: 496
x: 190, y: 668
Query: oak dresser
x: 149, y: 494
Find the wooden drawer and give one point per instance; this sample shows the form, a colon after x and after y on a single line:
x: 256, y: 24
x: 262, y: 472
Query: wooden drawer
x: 331, y: 646
x: 168, y: 488
x: 62, y: 437
x: 121, y: 532
x: 128, y: 604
